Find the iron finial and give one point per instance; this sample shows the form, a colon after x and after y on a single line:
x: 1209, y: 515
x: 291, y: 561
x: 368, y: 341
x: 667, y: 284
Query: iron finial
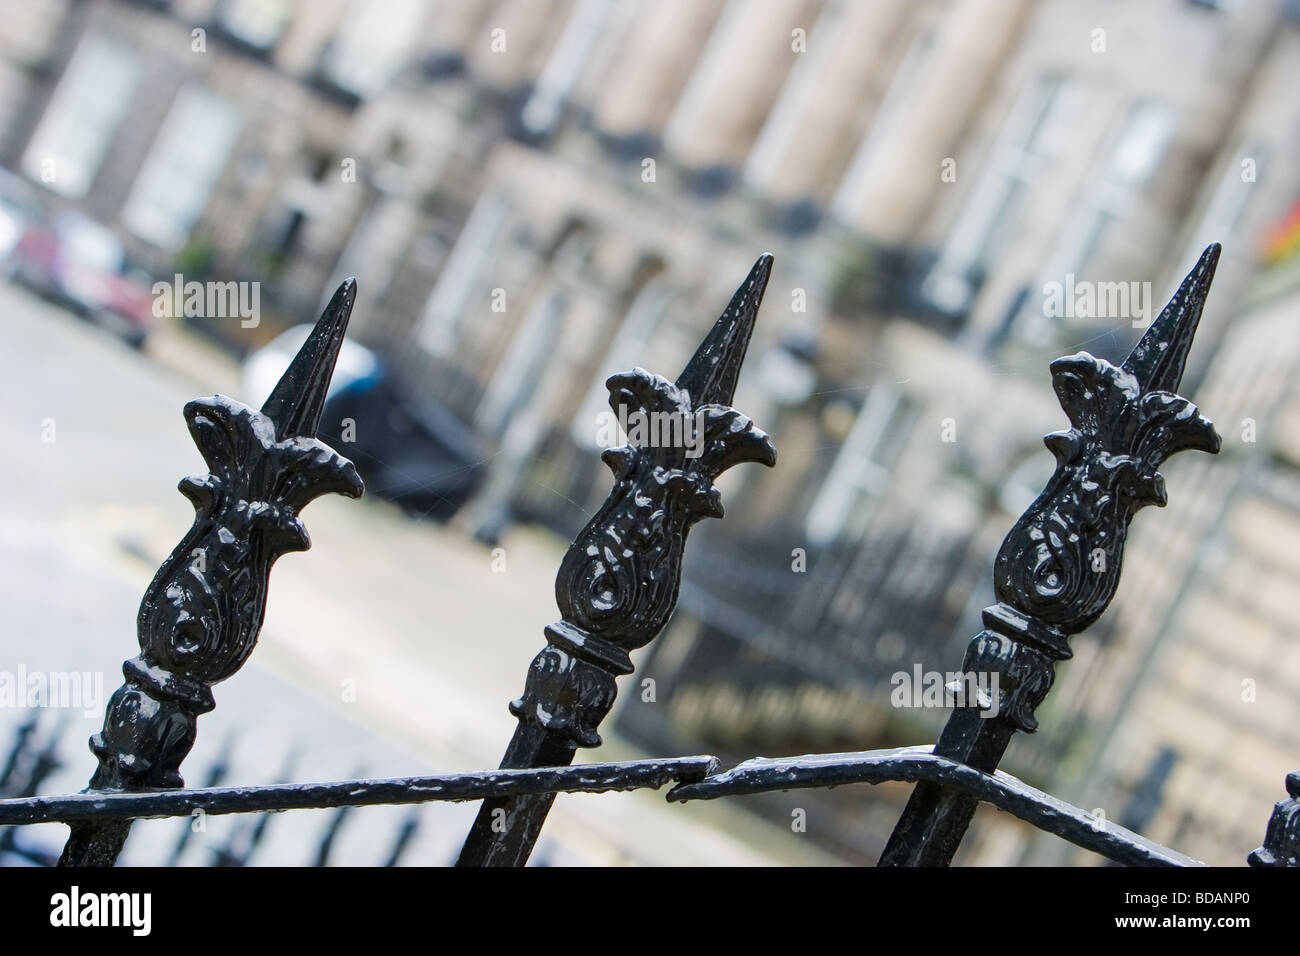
x: 296, y: 402
x: 1157, y: 361
x: 710, y: 376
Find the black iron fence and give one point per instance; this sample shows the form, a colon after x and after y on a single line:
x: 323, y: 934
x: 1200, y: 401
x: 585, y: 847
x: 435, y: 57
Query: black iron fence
x: 1054, y: 576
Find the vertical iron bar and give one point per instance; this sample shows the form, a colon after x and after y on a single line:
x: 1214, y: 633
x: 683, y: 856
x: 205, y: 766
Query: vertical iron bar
x: 246, y: 836
x: 405, y: 834
x: 216, y: 773
x: 21, y: 737
x: 44, y: 763
x: 618, y: 583
x: 201, y: 614
x: 326, y: 845
x: 1059, y: 566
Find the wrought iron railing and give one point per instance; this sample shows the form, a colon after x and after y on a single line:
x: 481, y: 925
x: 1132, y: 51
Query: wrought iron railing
x: 1054, y: 576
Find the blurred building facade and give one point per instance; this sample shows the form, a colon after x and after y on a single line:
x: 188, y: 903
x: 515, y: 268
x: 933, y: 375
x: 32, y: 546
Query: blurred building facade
x: 536, y: 195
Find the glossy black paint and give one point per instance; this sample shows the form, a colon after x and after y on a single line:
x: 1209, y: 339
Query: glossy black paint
x: 585, y: 778
x: 201, y: 614
x: 1282, y: 838
x: 917, y: 764
x: 618, y: 581
x: 1059, y: 566
x: 1054, y: 575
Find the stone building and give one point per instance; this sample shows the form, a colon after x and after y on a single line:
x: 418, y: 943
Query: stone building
x: 535, y: 195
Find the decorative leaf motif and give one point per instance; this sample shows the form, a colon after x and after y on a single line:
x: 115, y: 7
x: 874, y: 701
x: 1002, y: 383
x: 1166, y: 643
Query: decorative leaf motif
x: 620, y: 576
x: 201, y: 614
x: 619, y: 580
x: 1061, y: 562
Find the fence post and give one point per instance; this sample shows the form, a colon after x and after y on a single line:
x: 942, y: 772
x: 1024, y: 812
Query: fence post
x: 1059, y: 566
x: 199, y: 619
x: 1282, y: 838
x: 618, y: 582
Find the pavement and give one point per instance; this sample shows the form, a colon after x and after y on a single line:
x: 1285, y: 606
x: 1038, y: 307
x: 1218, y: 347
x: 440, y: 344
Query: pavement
x: 389, y: 649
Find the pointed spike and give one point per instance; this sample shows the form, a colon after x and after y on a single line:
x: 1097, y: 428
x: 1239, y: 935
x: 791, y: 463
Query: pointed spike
x: 1157, y: 361
x: 296, y: 402
x: 710, y: 376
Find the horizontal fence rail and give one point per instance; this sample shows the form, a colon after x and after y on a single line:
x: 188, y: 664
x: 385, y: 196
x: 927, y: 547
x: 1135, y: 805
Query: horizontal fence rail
x: 477, y: 785
x: 921, y: 764
x: 617, y: 586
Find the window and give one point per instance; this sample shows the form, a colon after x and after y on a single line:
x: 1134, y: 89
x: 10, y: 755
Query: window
x: 846, y: 502
x: 257, y: 23
x: 855, y: 188
x: 1243, y: 168
x: 439, y: 326
x: 642, y: 318
x: 74, y: 133
x: 777, y: 136
x: 521, y: 369
x: 708, y: 67
x: 544, y: 106
x: 1130, y: 159
x: 371, y: 44
x: 1033, y: 135
x: 178, y: 174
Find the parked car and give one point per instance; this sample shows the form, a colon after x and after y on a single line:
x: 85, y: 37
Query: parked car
x: 20, y: 209
x: 82, y: 265
x: 409, y: 450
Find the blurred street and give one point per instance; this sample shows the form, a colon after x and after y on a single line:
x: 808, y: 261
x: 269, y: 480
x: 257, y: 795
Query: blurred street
x: 391, y: 648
